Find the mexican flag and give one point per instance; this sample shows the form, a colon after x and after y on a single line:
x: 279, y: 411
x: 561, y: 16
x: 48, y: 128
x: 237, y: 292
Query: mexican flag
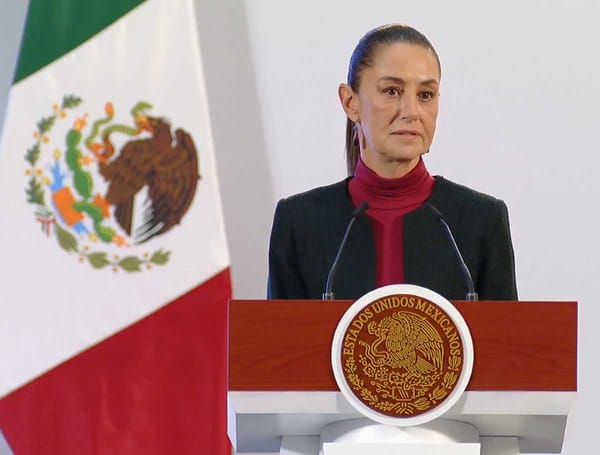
x: 114, y: 262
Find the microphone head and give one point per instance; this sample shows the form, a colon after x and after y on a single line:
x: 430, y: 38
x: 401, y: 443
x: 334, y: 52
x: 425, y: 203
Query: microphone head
x: 362, y: 208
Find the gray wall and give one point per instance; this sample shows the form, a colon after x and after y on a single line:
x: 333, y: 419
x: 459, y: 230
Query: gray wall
x: 12, y: 18
x: 238, y: 134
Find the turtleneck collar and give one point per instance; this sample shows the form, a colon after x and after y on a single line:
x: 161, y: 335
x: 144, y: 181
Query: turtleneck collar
x: 405, y: 193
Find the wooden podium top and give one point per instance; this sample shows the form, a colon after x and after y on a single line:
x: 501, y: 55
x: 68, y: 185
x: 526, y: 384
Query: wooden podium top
x: 281, y: 345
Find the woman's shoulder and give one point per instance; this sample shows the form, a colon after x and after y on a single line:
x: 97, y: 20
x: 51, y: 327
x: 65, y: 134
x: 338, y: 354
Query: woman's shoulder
x: 333, y: 192
x: 308, y: 209
x: 449, y: 191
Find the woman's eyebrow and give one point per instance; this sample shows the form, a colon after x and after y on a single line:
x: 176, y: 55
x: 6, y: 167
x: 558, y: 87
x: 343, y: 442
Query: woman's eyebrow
x: 399, y: 80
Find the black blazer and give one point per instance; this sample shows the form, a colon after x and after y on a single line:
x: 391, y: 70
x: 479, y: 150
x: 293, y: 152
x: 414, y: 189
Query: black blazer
x: 308, y: 227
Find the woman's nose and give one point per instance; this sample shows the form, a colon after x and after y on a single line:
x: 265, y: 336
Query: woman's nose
x: 408, y: 105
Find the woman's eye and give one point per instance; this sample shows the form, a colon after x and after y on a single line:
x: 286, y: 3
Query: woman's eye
x: 392, y: 91
x: 426, y: 96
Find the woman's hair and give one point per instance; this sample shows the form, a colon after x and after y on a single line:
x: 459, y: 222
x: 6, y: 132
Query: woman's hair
x: 362, y: 58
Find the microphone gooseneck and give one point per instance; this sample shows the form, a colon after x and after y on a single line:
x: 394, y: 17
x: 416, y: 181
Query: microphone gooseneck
x: 471, y: 294
x: 358, y: 211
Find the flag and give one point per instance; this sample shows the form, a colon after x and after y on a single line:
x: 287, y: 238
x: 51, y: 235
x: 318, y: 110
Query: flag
x: 114, y: 262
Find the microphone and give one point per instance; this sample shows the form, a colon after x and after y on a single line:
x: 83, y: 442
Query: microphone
x: 471, y: 294
x: 358, y: 211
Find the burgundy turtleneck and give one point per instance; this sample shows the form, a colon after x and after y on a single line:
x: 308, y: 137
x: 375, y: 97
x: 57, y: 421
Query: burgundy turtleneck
x: 389, y: 200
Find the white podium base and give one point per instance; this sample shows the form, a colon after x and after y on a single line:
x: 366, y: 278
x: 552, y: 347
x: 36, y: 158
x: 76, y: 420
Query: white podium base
x: 363, y: 436
x: 499, y: 445
x: 509, y: 423
x: 401, y: 449
x: 299, y: 445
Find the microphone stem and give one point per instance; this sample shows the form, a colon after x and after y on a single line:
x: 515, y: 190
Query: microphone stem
x: 328, y: 294
x: 471, y: 294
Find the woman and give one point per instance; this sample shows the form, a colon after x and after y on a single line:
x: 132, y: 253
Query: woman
x: 391, y: 101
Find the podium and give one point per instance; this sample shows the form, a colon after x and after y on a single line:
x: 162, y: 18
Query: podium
x: 282, y: 391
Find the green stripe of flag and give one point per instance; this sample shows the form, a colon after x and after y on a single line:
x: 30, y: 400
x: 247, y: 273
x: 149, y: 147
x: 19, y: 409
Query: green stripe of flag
x: 54, y: 27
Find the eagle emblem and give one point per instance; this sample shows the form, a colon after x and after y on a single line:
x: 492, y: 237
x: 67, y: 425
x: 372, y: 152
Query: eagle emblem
x: 401, y: 355
x: 169, y: 169
x: 407, y: 342
x: 111, y: 184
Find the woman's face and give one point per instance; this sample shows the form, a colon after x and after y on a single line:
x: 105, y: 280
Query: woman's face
x: 396, y: 107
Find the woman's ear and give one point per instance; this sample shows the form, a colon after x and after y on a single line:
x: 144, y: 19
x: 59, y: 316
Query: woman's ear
x: 349, y: 102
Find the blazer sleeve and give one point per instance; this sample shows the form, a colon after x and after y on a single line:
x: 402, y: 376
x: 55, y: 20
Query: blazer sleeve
x: 497, y: 275
x: 285, y: 280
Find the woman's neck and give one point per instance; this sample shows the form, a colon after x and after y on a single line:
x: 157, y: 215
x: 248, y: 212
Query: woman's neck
x: 390, y: 169
x: 407, y: 192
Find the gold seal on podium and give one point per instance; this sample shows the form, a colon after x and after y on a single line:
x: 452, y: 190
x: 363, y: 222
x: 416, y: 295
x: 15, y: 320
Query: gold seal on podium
x: 402, y: 355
